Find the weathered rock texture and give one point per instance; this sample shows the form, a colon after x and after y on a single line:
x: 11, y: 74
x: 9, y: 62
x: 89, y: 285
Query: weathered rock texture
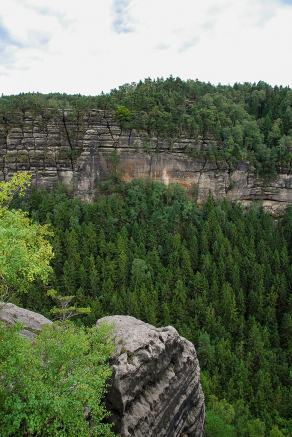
x: 77, y: 151
x: 155, y: 389
x: 32, y: 322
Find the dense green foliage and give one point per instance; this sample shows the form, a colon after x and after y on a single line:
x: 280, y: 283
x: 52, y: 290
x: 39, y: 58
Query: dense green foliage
x: 248, y: 121
x: 220, y: 275
x: 46, y: 385
x: 25, y: 253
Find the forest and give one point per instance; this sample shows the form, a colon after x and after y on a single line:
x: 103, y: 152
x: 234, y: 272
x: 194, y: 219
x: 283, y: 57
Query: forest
x: 220, y: 274
x: 251, y: 122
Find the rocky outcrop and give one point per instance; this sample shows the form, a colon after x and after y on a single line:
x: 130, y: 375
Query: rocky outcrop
x: 155, y: 389
x: 78, y: 152
x: 32, y: 322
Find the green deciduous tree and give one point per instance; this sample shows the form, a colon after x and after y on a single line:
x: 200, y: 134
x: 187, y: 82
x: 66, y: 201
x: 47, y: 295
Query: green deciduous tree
x: 25, y: 252
x: 54, y: 385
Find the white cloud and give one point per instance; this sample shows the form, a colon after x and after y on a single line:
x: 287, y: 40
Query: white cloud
x: 122, y: 21
x: 90, y: 46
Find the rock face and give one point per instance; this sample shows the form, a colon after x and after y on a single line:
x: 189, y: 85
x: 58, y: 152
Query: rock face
x: 32, y: 322
x: 77, y: 151
x: 155, y: 389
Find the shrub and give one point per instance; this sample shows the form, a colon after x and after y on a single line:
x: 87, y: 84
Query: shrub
x: 54, y: 386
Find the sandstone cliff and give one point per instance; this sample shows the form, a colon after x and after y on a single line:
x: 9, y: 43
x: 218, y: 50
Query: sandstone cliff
x: 77, y: 151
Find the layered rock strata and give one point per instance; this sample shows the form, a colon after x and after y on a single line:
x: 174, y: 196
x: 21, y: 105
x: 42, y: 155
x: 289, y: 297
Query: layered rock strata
x: 155, y: 389
x: 77, y: 151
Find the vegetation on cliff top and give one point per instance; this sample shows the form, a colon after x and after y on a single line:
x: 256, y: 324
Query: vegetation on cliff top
x: 221, y: 275
x: 249, y: 121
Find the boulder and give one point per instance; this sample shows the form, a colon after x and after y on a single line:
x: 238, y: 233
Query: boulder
x: 32, y: 322
x: 155, y: 389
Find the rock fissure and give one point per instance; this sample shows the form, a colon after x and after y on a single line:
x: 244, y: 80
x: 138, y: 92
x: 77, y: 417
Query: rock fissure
x: 69, y: 141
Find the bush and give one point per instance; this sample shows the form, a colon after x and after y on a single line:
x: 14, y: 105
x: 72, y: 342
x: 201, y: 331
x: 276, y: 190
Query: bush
x: 54, y: 386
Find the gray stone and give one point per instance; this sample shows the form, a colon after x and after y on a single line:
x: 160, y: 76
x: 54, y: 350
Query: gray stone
x: 155, y: 389
x: 32, y: 322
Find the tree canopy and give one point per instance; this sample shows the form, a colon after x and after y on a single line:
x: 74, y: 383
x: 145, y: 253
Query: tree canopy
x: 25, y: 252
x: 53, y: 385
x: 50, y: 386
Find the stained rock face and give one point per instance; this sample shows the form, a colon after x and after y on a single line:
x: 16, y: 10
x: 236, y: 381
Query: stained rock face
x: 155, y: 389
x: 78, y: 152
x: 32, y: 322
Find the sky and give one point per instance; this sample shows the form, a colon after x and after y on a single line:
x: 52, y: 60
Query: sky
x: 89, y: 46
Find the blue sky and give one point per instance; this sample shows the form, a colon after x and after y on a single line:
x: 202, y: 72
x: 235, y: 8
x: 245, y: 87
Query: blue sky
x: 93, y: 45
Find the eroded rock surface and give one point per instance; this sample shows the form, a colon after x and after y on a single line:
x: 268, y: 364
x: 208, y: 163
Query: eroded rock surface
x: 155, y: 389
x: 32, y: 322
x: 77, y: 151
